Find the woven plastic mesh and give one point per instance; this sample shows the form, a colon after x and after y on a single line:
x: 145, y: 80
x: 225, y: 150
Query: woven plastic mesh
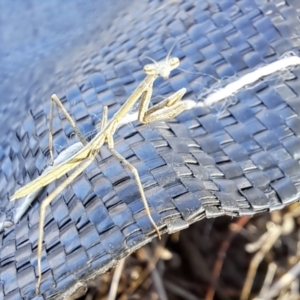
x: 208, y: 162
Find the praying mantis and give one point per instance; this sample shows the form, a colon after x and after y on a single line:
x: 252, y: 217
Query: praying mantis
x: 166, y: 109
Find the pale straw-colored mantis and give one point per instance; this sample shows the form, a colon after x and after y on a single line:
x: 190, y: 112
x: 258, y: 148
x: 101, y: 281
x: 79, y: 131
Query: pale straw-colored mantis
x: 167, y: 109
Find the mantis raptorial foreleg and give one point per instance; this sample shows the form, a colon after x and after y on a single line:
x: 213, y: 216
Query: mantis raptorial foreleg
x: 167, y: 109
x: 56, y: 100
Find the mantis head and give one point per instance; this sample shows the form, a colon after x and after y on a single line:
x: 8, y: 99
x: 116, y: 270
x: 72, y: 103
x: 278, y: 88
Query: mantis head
x: 162, y: 68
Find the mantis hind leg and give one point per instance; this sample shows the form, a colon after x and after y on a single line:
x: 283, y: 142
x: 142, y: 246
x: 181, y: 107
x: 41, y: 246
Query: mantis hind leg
x: 43, y: 208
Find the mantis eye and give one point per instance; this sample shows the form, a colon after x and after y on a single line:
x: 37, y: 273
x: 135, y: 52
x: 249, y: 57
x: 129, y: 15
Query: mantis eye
x: 174, y: 62
x: 150, y: 69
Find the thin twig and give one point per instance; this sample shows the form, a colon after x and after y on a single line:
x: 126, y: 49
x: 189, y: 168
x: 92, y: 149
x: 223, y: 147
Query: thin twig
x: 274, y: 233
x: 234, y: 230
x: 115, y: 280
x: 149, y: 268
x: 283, y: 282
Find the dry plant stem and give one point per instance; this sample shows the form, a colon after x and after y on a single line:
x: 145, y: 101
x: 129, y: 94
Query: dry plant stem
x: 294, y: 289
x: 159, y: 285
x: 177, y: 290
x: 274, y: 233
x: 165, y: 110
x: 269, y: 291
x: 267, y: 282
x: 157, y: 274
x: 151, y: 265
x: 239, y: 224
x: 283, y: 282
x: 115, y: 280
